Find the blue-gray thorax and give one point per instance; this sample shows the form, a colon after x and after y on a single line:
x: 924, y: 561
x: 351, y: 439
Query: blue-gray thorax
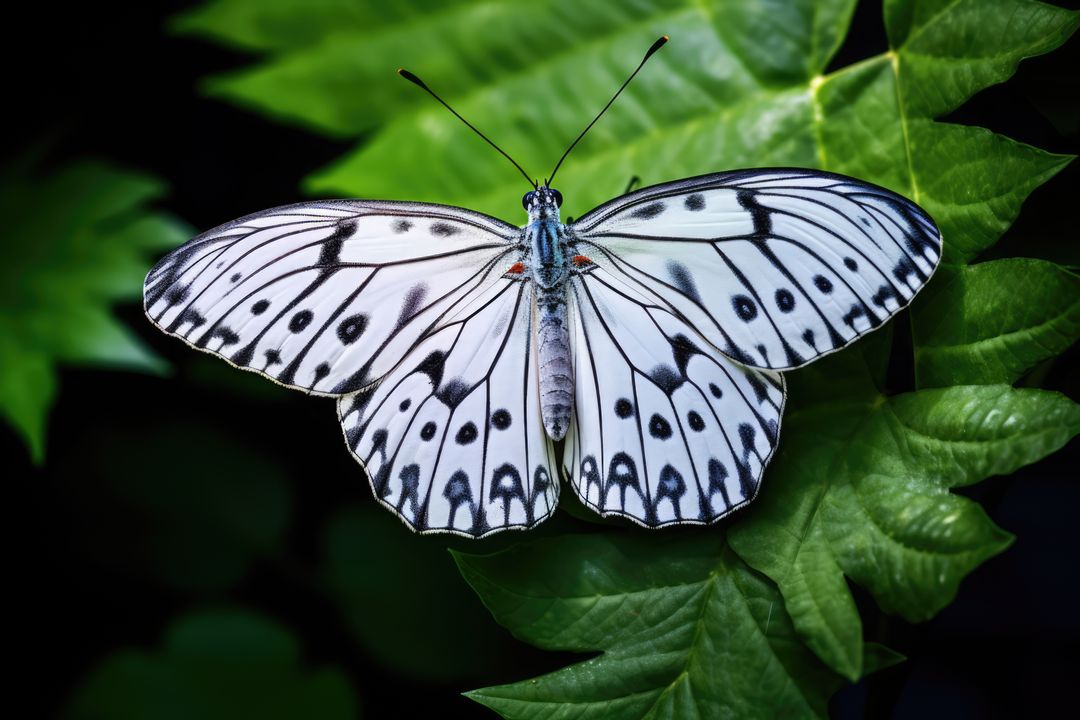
x: 545, y: 237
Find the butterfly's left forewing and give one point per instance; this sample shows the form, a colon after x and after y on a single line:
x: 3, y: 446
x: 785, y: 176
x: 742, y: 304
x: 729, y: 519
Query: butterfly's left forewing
x: 665, y: 429
x: 325, y: 296
x: 452, y: 438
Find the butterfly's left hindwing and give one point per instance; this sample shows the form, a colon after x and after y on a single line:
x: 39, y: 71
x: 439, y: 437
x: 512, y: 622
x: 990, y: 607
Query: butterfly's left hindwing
x: 325, y: 296
x: 665, y: 428
x: 774, y: 267
x: 452, y: 438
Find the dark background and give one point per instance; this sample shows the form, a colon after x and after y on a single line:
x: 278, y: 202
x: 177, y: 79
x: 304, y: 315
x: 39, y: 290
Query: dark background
x: 111, y: 83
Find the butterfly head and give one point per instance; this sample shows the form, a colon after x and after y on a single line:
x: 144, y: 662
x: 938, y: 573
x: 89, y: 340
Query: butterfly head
x: 542, y: 203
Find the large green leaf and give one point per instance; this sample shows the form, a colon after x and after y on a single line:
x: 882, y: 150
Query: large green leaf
x: 687, y: 630
x: 860, y: 488
x: 79, y: 241
x: 214, y: 664
x: 990, y: 323
x: 740, y: 85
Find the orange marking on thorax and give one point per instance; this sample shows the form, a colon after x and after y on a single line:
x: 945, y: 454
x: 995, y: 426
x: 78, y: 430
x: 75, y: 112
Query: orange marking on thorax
x: 580, y: 260
x: 517, y: 268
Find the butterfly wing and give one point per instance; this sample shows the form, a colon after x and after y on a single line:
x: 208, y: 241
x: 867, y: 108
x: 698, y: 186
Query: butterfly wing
x: 774, y: 267
x: 452, y: 438
x: 325, y: 296
x: 666, y: 429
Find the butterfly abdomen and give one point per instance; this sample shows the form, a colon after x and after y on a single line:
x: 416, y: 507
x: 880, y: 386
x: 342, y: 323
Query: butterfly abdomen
x: 556, y: 372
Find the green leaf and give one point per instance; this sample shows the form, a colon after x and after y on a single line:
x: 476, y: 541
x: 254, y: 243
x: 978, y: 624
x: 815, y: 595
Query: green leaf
x: 217, y: 664
x: 860, y: 488
x: 740, y: 85
x: 992, y: 322
x: 686, y: 629
x: 80, y: 239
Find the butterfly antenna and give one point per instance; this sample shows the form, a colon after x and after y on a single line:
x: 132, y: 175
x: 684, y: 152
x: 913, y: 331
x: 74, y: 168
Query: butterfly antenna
x: 655, y: 46
x: 420, y: 83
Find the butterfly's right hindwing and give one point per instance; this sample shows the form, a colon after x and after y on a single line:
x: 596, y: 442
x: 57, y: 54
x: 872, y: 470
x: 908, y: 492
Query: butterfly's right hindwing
x: 665, y: 429
x: 452, y: 438
x: 325, y: 296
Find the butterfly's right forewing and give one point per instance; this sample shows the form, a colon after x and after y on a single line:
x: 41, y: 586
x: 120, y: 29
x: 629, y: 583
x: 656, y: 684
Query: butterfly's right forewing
x: 326, y: 296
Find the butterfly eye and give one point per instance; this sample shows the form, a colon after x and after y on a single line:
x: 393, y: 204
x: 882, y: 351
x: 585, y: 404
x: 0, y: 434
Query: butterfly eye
x: 526, y: 201
x: 557, y: 196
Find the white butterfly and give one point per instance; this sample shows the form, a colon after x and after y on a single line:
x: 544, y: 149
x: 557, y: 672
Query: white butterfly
x: 648, y: 334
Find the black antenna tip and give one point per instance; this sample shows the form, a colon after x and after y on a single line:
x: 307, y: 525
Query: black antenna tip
x: 660, y: 42
x: 411, y: 78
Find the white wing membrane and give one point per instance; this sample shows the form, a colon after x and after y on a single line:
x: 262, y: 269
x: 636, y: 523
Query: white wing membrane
x: 774, y: 267
x: 666, y: 429
x: 452, y: 438
x: 325, y: 296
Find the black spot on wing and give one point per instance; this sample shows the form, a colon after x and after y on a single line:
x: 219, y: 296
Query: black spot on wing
x: 433, y: 366
x: 659, y: 427
x: 453, y: 392
x: 500, y: 419
x: 428, y: 431
x: 671, y: 486
x: 330, y: 252
x: 300, y: 321
x: 785, y: 301
x: 506, y: 485
x: 647, y: 212
x: 682, y: 279
x: 260, y: 307
x: 466, y: 434
x: 693, y: 419
x: 349, y: 329
x: 744, y: 307
x: 760, y: 215
x: 694, y: 202
x: 442, y: 229
x: 622, y: 473
x: 411, y: 303
x: 624, y: 408
x: 667, y: 378
x: 400, y: 226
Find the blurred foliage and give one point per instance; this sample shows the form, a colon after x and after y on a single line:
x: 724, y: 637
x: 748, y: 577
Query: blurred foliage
x: 399, y: 593
x: 756, y: 619
x: 193, y: 521
x: 214, y: 664
x: 78, y: 240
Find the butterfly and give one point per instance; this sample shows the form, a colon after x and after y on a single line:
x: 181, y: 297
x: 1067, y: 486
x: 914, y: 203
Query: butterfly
x: 647, y: 337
